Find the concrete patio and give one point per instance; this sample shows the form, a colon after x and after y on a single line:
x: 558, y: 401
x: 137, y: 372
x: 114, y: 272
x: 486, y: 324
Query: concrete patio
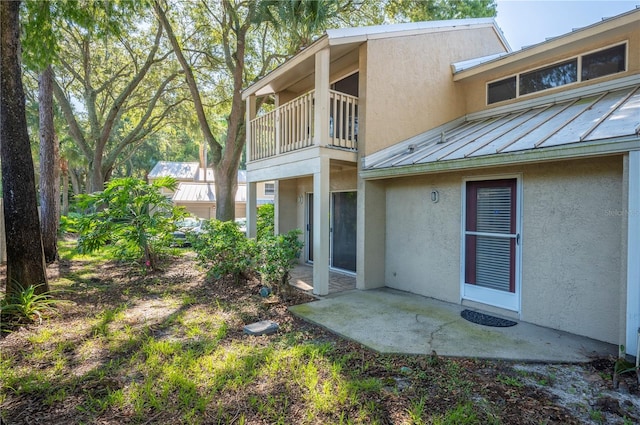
x: 391, y: 321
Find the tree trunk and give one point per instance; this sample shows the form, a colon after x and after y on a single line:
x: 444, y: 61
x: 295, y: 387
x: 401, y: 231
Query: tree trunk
x: 64, y: 170
x: 49, y: 169
x: 25, y: 258
x: 76, y: 185
x: 96, y: 182
x: 226, y: 179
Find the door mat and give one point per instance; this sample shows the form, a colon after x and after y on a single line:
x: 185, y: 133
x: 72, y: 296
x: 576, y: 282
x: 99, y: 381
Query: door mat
x: 486, y: 320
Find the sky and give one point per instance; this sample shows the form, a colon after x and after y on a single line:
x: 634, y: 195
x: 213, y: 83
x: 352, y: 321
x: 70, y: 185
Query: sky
x: 527, y: 22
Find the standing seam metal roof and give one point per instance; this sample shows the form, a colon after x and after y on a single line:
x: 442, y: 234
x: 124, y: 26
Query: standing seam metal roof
x: 606, y: 115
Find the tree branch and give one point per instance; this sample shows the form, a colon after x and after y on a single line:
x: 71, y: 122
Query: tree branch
x: 74, y: 128
x: 119, y: 101
x: 193, y: 86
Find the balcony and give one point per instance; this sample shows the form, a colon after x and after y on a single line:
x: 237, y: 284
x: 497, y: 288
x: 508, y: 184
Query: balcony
x: 290, y: 126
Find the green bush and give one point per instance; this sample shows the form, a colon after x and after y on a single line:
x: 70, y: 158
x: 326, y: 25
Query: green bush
x: 134, y: 217
x: 224, y: 249
x: 264, y: 221
x: 277, y: 255
x: 70, y: 224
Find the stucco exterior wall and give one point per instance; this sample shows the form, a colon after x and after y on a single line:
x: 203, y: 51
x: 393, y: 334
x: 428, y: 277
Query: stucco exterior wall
x: 408, y: 84
x: 571, y: 241
x: 572, y: 247
x: 423, y: 238
x: 476, y: 88
x: 200, y: 210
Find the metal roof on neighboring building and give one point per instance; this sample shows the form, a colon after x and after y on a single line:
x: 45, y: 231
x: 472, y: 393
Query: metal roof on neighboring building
x: 178, y: 170
x: 591, y: 117
x: 195, y: 192
x: 203, y: 192
x: 188, y: 171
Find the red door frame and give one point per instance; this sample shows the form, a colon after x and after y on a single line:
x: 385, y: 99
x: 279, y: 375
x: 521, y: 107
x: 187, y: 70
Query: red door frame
x: 471, y: 222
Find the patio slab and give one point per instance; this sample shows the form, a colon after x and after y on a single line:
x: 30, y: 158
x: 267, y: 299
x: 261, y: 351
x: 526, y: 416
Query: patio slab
x: 391, y: 321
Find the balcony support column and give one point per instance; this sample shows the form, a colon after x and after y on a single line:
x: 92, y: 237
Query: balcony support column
x: 321, y: 198
x: 321, y: 107
x: 252, y: 209
x: 250, y: 115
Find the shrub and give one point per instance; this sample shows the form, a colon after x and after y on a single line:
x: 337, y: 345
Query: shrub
x: 277, y: 256
x: 224, y: 249
x: 264, y: 221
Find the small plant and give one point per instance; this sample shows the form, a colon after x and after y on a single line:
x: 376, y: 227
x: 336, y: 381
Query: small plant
x: 622, y: 366
x: 597, y: 416
x: 417, y: 412
x: 461, y: 414
x: 26, y: 305
x: 510, y: 381
x: 277, y: 256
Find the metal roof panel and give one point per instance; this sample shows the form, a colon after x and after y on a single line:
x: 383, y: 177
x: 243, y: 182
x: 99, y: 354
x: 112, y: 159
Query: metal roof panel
x: 595, y: 116
x: 178, y: 170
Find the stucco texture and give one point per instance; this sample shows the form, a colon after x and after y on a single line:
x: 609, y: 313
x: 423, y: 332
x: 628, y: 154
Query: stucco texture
x: 572, y: 247
x: 418, y: 67
x: 571, y: 241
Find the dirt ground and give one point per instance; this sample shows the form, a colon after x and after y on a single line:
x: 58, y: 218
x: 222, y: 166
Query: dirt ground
x: 522, y: 393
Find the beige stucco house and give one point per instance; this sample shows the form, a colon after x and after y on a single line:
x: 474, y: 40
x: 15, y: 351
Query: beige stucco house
x: 429, y: 158
x: 196, y: 188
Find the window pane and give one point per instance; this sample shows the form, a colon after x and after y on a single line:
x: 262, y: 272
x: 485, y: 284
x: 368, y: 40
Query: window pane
x: 493, y: 210
x: 501, y: 90
x: 493, y: 263
x: 604, y: 62
x: 269, y: 188
x: 552, y: 76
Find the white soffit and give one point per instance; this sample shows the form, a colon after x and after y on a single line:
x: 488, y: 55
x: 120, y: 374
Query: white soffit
x: 462, y: 65
x: 584, y: 119
x: 361, y: 34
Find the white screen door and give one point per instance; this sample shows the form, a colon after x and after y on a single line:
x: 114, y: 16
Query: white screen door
x: 491, y: 243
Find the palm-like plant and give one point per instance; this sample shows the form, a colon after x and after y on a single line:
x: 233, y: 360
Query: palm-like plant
x: 134, y: 216
x: 26, y: 305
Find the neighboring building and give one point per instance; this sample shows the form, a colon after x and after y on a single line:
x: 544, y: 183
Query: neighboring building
x: 196, y: 190
x: 429, y: 158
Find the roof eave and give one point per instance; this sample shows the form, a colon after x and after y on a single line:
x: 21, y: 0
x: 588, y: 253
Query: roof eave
x: 604, y: 147
x: 577, y: 35
x: 287, y: 66
x: 345, y: 36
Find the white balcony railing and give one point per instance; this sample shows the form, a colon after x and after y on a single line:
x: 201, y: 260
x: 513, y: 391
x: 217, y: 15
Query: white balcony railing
x: 291, y: 127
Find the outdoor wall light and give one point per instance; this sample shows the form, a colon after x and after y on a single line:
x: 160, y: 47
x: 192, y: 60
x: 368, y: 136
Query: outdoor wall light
x: 435, y: 196
x: 300, y: 199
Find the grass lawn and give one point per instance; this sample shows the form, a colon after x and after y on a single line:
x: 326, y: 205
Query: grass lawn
x: 168, y: 348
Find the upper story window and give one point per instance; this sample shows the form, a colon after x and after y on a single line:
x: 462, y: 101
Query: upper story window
x: 549, y: 77
x: 502, y: 90
x: 604, y: 62
x: 580, y: 68
x: 269, y: 188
